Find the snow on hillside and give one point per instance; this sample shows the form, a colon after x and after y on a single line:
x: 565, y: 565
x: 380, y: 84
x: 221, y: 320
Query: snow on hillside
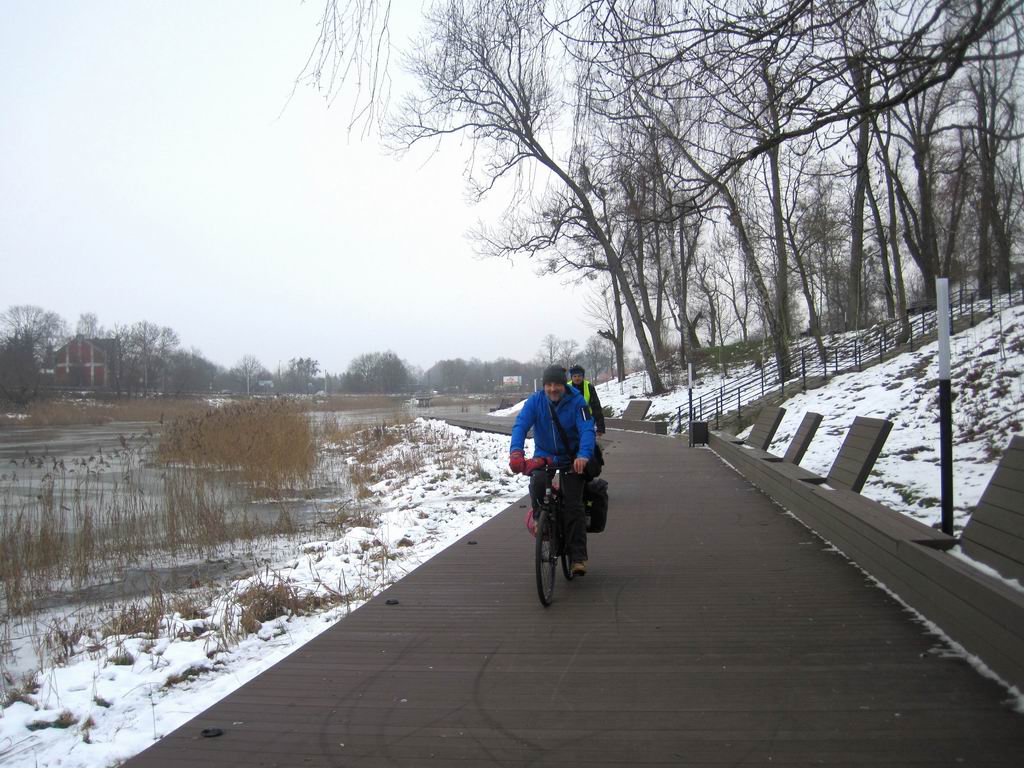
x: 988, y: 408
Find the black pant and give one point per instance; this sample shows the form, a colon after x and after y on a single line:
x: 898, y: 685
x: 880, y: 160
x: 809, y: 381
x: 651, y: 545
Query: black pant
x: 572, y: 501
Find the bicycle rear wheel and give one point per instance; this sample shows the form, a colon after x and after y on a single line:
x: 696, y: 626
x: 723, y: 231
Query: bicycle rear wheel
x: 546, y: 550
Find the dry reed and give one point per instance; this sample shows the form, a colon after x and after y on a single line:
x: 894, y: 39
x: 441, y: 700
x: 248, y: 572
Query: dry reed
x: 64, y: 413
x: 271, y: 444
x: 67, y: 529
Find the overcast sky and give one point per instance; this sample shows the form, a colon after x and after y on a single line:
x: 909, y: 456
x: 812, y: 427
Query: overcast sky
x: 147, y: 171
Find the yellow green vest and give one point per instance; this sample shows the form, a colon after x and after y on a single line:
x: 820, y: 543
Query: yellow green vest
x: 585, y: 390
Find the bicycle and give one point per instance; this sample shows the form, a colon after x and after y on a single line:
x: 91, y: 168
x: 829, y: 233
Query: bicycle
x: 551, y: 544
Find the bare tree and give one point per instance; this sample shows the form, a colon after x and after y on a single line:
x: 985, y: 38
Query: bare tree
x: 993, y: 81
x: 352, y: 49
x: 40, y: 329
x: 249, y: 367
x: 597, y: 357
x: 548, y: 352
x: 28, y: 336
x: 89, y: 326
x: 605, y: 310
x: 485, y: 70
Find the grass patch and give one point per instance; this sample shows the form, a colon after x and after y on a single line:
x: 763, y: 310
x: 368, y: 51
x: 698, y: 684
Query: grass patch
x: 182, y: 677
x: 22, y: 691
x: 121, y: 658
x: 268, y: 597
x: 64, y: 720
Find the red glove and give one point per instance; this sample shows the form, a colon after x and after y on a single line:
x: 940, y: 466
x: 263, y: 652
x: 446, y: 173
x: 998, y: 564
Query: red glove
x: 516, y: 462
x: 533, y: 464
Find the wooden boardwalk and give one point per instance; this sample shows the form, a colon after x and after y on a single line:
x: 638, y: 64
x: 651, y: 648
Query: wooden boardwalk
x: 713, y: 629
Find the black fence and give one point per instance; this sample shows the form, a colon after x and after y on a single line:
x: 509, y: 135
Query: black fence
x: 849, y: 353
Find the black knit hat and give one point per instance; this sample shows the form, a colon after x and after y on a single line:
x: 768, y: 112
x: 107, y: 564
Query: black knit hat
x: 576, y: 369
x: 554, y: 374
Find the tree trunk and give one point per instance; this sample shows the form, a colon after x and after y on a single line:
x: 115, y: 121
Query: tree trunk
x: 777, y: 331
x: 780, y: 340
x: 893, y: 239
x: 856, y: 309
x: 781, y: 251
x: 883, y: 251
x: 805, y: 284
x: 615, y: 265
x: 778, y: 219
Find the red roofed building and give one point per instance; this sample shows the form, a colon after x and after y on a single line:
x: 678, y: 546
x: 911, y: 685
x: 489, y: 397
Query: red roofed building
x: 85, y: 363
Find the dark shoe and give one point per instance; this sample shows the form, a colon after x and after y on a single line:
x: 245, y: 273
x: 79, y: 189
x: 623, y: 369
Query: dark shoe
x: 579, y: 568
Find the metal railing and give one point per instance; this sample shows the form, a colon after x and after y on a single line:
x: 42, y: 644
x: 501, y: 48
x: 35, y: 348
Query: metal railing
x: 844, y: 355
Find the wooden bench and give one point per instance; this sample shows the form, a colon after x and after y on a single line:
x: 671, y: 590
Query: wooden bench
x: 857, y: 455
x: 764, y: 429
x: 995, y: 533
x: 802, y: 439
x: 636, y: 410
x: 854, y: 461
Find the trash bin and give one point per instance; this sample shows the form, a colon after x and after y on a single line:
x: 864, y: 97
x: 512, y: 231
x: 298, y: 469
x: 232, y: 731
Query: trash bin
x: 698, y: 433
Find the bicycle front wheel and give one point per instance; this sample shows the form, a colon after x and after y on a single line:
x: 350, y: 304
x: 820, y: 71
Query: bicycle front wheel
x: 563, y: 555
x: 546, y: 549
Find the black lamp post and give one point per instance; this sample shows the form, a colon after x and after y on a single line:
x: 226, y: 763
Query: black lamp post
x: 945, y: 404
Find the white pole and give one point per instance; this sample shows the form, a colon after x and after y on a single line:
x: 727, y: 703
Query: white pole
x: 942, y: 323
x: 945, y: 404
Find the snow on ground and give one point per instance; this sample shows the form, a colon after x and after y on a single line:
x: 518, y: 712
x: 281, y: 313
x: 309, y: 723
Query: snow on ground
x: 117, y: 695
x: 987, y: 381
x: 988, y: 407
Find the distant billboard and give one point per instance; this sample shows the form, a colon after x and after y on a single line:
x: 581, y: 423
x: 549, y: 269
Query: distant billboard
x: 511, y: 381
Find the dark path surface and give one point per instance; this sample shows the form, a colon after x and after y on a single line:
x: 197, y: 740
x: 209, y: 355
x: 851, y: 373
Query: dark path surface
x: 713, y: 629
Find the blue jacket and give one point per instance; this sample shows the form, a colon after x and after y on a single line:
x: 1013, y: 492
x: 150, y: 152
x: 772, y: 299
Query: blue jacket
x: 574, y: 416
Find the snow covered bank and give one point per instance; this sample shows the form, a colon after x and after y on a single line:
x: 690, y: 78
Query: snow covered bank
x: 116, y: 694
x: 988, y: 408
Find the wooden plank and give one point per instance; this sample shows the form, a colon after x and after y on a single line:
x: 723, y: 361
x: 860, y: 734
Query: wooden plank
x: 802, y: 439
x: 990, y: 621
x: 1013, y: 456
x: 1008, y: 478
x: 765, y: 427
x: 861, y: 442
x: 1002, y: 516
x: 842, y: 466
x: 1010, y: 548
x: 636, y: 410
x: 995, y: 533
x: 1005, y: 566
x: 632, y: 425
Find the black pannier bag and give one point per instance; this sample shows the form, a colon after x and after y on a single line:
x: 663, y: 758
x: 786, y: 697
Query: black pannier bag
x: 595, y: 503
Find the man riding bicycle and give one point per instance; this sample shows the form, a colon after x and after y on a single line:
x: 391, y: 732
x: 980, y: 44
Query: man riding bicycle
x: 589, y: 392
x: 563, y: 432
